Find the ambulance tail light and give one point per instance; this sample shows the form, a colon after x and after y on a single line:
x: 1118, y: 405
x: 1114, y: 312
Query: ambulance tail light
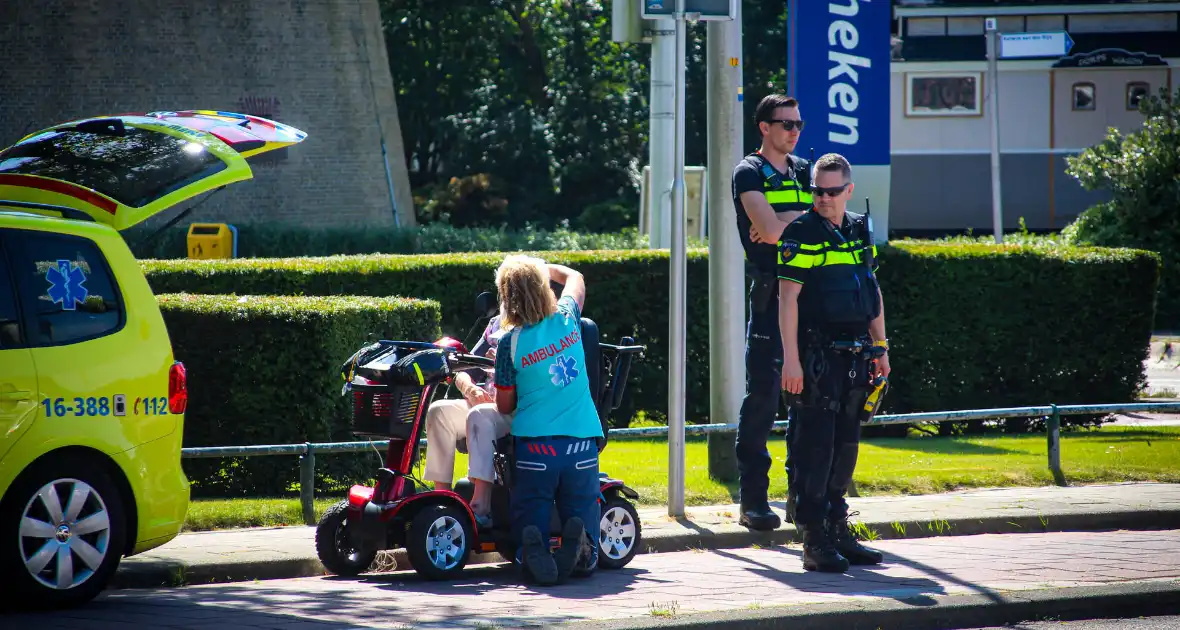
x: 177, y: 388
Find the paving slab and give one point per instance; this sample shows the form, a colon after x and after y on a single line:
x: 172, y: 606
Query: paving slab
x: 949, y: 582
x: 288, y: 552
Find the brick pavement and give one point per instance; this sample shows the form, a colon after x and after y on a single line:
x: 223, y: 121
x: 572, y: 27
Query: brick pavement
x: 995, y: 566
x: 290, y: 551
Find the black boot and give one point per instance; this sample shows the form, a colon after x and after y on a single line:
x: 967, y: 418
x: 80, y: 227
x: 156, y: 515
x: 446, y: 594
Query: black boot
x: 571, y: 544
x: 819, y: 554
x: 842, y: 536
x: 759, y: 517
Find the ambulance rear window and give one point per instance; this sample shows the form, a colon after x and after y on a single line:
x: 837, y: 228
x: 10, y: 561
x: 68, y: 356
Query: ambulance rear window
x: 135, y: 168
x: 71, y: 289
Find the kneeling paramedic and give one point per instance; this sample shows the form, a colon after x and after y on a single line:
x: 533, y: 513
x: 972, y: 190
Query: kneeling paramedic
x: 833, y: 331
x: 542, y: 375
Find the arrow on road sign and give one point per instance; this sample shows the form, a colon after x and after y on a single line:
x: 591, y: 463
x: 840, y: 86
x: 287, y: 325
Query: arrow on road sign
x: 1047, y: 44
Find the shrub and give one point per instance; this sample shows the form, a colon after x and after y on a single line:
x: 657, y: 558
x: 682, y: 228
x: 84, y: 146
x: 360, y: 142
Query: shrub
x: 975, y: 326
x: 264, y: 240
x: 1140, y: 169
x: 265, y: 370
x: 971, y: 325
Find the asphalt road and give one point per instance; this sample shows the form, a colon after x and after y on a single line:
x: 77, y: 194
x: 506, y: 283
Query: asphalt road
x: 1141, y: 623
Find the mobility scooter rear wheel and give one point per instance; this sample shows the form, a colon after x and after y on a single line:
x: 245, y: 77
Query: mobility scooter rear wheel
x: 334, y: 546
x: 439, y: 541
x: 618, y: 533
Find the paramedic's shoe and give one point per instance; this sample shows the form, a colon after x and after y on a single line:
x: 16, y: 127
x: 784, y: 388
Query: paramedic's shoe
x: 819, y: 552
x: 483, y: 522
x: 759, y: 517
x: 537, y: 558
x: 840, y: 532
x: 571, y: 541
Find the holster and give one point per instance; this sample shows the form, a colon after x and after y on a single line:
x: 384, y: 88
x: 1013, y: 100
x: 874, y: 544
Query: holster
x: 763, y: 290
x: 815, y: 366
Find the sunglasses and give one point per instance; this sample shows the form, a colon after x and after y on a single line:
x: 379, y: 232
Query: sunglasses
x: 831, y: 192
x: 789, y: 124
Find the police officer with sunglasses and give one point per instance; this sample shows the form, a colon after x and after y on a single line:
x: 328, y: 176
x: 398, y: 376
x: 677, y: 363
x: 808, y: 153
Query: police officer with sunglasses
x: 771, y: 188
x: 835, y: 360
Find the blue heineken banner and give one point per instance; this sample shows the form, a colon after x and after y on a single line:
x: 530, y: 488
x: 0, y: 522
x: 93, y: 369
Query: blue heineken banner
x: 838, y: 54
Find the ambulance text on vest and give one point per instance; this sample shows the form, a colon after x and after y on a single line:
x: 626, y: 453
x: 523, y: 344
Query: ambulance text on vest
x: 551, y: 350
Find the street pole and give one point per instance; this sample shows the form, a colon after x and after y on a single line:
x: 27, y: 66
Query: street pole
x: 662, y: 125
x: 727, y: 312
x: 676, y: 306
x: 993, y: 76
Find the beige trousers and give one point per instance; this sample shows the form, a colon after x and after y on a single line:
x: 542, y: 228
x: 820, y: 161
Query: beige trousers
x: 448, y: 421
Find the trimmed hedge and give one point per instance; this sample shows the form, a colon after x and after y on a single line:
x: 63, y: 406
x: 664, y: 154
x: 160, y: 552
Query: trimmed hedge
x: 265, y: 370
x: 258, y: 240
x: 976, y: 326
x: 971, y: 326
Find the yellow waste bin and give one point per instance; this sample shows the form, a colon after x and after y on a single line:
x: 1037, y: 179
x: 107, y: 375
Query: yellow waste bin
x: 212, y: 240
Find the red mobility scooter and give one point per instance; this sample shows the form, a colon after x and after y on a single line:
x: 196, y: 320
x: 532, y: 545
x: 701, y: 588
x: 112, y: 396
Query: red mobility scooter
x: 392, y: 383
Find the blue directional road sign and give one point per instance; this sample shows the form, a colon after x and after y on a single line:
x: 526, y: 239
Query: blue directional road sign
x: 706, y: 9
x: 1048, y: 44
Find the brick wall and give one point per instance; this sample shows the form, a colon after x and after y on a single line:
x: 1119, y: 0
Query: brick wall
x: 318, y: 65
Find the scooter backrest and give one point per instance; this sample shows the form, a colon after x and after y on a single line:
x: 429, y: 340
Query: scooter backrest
x: 593, y: 352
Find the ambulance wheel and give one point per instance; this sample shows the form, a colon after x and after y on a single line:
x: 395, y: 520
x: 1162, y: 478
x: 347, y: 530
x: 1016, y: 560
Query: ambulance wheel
x: 619, y: 533
x: 334, y: 546
x: 63, y: 532
x: 439, y: 541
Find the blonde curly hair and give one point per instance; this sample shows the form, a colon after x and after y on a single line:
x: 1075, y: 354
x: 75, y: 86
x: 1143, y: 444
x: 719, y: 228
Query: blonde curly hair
x: 522, y: 283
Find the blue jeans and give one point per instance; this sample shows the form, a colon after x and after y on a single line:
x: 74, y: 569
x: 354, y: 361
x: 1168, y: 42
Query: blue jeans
x: 561, y: 469
x: 764, y: 366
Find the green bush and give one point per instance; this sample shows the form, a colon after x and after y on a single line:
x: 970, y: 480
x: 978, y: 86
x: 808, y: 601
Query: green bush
x: 975, y: 326
x: 1141, y: 169
x: 627, y: 295
x: 265, y: 370
x: 971, y: 325
x: 264, y: 240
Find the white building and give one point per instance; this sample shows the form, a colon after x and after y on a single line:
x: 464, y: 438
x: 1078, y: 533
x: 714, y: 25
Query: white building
x: 1050, y: 108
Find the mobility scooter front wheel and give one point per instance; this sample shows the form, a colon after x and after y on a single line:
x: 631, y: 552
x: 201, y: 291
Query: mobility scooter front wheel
x: 439, y: 541
x: 618, y: 533
x: 334, y: 545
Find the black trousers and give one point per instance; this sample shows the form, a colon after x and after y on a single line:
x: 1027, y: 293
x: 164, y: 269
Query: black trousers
x: 824, y: 439
x: 764, y: 361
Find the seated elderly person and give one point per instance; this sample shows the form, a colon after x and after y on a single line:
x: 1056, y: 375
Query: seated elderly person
x: 474, y: 417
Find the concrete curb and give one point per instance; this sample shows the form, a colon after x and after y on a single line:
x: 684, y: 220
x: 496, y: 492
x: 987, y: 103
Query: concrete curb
x: 732, y: 536
x: 298, y: 563
x: 1128, y: 599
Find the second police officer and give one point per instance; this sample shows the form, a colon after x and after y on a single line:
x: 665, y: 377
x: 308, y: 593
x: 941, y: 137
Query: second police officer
x: 770, y: 189
x: 832, y: 319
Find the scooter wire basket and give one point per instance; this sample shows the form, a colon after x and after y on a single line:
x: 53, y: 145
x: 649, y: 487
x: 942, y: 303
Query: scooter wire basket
x: 385, y: 410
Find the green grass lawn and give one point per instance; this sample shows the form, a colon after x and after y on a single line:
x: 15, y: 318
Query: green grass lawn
x: 916, y: 465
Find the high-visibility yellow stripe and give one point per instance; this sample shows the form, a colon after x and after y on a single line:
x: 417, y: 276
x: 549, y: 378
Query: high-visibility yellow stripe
x: 800, y: 260
x: 805, y: 197
x: 786, y: 185
x: 421, y: 381
x: 783, y: 196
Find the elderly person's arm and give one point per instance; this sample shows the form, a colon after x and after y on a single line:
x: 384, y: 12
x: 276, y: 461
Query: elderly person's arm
x: 575, y: 283
x: 505, y: 380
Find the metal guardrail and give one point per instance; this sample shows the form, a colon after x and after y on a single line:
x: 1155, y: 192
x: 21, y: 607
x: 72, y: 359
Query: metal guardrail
x: 1052, y: 413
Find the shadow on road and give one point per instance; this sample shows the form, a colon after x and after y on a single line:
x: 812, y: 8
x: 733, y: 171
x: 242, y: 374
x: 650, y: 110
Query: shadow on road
x: 385, y: 600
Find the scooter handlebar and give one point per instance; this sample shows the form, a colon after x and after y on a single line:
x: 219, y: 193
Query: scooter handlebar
x: 459, y: 361
x: 623, y: 349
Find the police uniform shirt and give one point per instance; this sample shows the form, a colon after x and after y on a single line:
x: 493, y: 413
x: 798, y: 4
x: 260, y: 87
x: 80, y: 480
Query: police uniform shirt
x: 838, y: 292
x: 791, y: 191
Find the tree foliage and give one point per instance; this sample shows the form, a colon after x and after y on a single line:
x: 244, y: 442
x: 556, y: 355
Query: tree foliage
x: 529, y: 101
x: 1141, y: 169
